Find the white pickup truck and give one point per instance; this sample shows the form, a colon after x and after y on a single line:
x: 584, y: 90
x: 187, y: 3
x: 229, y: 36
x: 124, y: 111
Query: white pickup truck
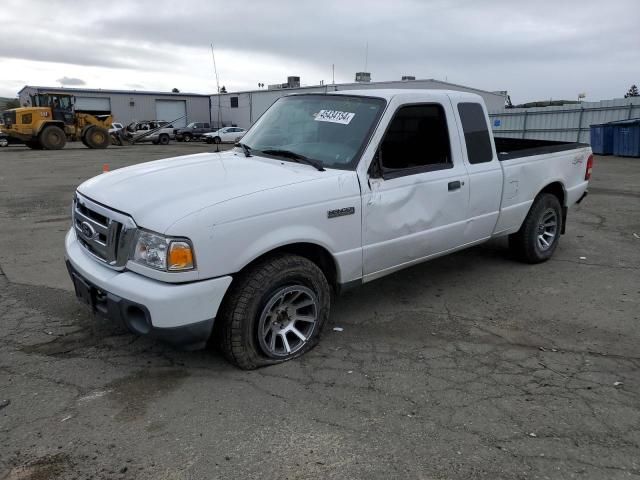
x: 325, y: 192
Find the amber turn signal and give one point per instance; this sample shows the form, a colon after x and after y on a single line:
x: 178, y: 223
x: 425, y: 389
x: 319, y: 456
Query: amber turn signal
x: 180, y: 256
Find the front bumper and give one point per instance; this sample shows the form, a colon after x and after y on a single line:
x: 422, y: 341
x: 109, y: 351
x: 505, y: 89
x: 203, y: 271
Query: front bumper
x: 179, y: 313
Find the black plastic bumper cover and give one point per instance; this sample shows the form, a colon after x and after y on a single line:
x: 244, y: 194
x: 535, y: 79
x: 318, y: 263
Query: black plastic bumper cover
x: 136, y: 317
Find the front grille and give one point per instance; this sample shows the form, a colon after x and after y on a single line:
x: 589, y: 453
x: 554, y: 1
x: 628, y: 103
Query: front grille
x: 106, y: 234
x: 9, y: 118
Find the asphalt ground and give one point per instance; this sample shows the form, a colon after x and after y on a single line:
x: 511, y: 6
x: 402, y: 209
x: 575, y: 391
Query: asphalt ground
x: 469, y: 366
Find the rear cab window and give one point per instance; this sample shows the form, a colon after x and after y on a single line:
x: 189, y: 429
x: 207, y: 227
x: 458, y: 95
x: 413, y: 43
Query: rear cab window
x: 476, y: 132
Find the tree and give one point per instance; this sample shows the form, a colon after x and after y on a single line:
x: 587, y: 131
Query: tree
x: 633, y: 92
x: 223, y: 89
x: 13, y: 103
x: 175, y: 90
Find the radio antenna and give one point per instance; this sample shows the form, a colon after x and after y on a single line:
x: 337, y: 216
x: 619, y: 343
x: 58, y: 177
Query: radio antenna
x: 215, y: 71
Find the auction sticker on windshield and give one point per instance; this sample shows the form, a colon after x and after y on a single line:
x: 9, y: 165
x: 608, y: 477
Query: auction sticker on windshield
x: 334, y: 116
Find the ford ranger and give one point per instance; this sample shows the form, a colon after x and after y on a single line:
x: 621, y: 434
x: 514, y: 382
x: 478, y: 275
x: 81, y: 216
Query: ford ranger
x: 324, y: 192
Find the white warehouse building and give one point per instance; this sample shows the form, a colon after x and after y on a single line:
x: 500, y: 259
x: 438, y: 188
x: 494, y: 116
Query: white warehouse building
x: 242, y: 109
x: 127, y: 106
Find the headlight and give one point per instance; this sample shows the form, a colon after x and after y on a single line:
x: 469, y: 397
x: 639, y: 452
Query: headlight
x: 163, y: 253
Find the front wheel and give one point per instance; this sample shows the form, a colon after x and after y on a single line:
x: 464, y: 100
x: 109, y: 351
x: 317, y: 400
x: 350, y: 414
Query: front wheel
x: 4, y: 142
x: 164, y: 139
x: 538, y: 237
x: 217, y: 140
x: 274, y: 312
x: 53, y: 138
x: 187, y: 138
x: 96, y: 137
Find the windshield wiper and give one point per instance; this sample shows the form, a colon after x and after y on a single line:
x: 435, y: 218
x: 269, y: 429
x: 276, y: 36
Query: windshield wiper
x: 296, y: 157
x: 245, y: 148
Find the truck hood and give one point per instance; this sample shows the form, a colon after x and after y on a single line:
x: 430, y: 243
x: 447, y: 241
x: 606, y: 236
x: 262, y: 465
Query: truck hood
x: 157, y: 194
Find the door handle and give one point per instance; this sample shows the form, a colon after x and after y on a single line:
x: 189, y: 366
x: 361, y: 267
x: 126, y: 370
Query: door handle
x: 455, y: 185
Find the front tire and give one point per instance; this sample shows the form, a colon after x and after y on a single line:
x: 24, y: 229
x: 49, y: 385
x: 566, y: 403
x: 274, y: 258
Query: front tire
x: 164, y: 139
x: 217, y: 140
x: 274, y: 312
x: 53, y: 138
x: 538, y: 237
x: 187, y: 138
x: 96, y: 137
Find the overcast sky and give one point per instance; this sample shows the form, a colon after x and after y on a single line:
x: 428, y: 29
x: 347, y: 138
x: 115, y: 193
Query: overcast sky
x: 534, y: 49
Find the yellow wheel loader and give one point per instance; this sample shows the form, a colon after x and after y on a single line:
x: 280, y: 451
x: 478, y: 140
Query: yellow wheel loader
x: 51, y: 120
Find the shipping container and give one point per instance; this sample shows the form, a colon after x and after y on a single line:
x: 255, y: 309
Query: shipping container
x: 602, y: 139
x: 626, y: 138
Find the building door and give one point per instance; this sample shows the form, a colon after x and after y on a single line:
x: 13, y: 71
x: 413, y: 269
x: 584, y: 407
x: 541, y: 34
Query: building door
x: 170, y: 110
x: 96, y: 105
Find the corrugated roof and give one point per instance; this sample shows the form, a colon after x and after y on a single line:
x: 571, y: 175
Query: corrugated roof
x: 124, y: 92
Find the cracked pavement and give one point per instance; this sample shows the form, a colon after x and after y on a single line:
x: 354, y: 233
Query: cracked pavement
x: 469, y: 366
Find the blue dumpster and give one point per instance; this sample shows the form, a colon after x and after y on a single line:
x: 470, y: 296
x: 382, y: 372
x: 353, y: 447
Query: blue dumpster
x: 602, y: 139
x: 626, y: 138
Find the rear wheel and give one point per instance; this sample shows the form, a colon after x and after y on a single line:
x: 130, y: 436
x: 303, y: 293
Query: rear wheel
x: 53, y: 138
x: 164, y: 139
x: 4, y: 142
x: 96, y: 137
x: 274, y: 312
x: 538, y: 237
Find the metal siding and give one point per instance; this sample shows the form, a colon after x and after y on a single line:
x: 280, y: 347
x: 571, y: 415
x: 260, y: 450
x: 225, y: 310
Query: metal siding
x: 567, y: 123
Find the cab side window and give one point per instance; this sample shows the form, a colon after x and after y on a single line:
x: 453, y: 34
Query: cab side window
x: 416, y: 140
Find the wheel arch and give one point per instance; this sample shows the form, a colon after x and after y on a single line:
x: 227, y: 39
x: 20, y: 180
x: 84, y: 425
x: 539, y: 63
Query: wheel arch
x: 51, y: 123
x: 557, y: 189
x: 311, y: 251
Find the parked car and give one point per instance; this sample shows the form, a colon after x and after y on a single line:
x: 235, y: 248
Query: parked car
x: 192, y: 131
x: 115, y: 127
x: 155, y: 131
x: 325, y: 192
x: 225, y: 135
x: 6, y: 140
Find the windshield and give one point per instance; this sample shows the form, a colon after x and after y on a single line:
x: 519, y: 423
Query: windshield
x: 192, y: 125
x: 332, y: 129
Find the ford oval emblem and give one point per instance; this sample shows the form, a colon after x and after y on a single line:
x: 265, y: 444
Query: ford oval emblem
x: 88, y: 231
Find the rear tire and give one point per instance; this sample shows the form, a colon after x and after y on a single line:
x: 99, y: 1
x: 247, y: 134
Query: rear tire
x: 164, y: 139
x: 96, y: 137
x: 538, y: 237
x: 274, y: 312
x: 4, y: 142
x: 53, y: 138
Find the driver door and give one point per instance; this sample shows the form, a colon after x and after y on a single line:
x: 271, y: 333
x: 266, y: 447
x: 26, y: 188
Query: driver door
x: 417, y: 201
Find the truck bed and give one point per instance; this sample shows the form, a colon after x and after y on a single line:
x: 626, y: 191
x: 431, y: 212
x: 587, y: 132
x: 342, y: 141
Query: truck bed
x: 510, y: 148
